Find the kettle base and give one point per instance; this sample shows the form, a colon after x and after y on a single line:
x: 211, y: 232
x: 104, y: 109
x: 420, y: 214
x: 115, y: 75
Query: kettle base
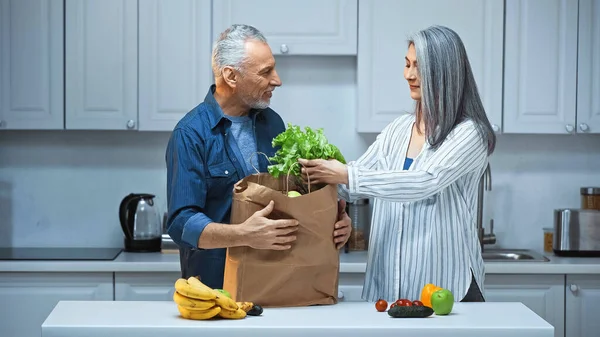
x: 143, y: 246
x: 577, y: 253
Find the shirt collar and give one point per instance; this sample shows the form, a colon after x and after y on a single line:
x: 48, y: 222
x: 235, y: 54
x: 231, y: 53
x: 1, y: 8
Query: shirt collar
x: 215, y: 113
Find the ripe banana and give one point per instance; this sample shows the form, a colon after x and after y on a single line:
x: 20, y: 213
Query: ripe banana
x: 221, y: 299
x: 246, y: 306
x: 192, y: 303
x: 196, y: 283
x: 185, y: 288
x: 226, y: 303
x: 232, y: 314
x: 198, y: 314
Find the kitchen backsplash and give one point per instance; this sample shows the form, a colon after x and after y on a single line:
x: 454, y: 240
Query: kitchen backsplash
x: 63, y: 188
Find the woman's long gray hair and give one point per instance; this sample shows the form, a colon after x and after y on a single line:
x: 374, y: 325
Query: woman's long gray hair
x: 449, y: 93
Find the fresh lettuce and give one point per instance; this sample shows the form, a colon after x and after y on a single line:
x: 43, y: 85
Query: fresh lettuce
x: 293, y: 143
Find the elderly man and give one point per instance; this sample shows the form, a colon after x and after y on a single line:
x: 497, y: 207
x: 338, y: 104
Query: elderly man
x: 214, y: 146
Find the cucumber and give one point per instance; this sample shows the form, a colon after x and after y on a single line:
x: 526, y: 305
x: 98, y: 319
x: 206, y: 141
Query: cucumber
x: 415, y: 311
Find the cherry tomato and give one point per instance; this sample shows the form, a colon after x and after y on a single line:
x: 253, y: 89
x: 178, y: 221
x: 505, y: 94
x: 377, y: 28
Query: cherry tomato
x: 381, y: 305
x: 417, y: 303
x: 404, y: 302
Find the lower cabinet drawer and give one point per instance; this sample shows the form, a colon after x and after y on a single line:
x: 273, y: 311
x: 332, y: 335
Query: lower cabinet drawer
x: 350, y: 293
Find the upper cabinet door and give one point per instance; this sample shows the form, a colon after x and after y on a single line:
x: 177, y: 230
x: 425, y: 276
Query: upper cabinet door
x: 540, y: 74
x: 383, y: 93
x: 588, y: 86
x: 175, y: 55
x: 101, y: 64
x: 31, y: 64
x: 308, y: 27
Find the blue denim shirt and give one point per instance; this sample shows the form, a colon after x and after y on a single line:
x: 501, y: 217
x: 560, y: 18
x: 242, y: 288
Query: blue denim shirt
x: 203, y: 163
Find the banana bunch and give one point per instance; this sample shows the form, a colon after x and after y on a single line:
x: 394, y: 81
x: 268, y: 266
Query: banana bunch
x: 197, y: 301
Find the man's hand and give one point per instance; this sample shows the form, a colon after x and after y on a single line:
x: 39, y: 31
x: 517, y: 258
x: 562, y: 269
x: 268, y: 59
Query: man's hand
x: 263, y: 233
x: 343, y: 227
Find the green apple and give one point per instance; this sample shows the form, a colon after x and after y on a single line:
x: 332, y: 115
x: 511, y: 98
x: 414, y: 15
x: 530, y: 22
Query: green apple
x: 442, y: 302
x: 293, y: 194
x: 224, y: 292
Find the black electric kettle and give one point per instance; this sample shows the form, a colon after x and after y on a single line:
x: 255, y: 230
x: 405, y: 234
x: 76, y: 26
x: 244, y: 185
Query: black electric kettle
x: 140, y: 221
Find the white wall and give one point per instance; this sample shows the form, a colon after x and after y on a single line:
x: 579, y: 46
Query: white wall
x: 63, y: 188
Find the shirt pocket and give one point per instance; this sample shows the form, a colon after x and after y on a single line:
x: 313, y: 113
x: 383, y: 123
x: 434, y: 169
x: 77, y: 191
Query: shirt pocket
x: 222, y: 174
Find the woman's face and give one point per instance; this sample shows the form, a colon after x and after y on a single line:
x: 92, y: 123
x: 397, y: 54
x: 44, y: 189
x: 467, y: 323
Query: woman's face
x: 411, y: 73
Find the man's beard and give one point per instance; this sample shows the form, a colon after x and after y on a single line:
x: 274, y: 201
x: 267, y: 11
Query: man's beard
x: 261, y: 104
x: 257, y: 103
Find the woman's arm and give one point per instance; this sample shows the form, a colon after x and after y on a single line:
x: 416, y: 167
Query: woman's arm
x: 462, y: 152
x: 366, y: 161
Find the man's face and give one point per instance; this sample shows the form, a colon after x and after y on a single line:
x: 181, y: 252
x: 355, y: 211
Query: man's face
x: 258, y: 77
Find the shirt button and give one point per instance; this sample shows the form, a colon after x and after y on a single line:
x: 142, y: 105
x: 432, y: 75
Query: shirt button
x: 226, y: 172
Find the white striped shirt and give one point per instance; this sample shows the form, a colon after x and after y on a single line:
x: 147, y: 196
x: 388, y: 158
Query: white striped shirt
x: 423, y: 227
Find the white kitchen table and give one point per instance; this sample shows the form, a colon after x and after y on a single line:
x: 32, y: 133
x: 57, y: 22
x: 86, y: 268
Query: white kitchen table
x: 350, y: 319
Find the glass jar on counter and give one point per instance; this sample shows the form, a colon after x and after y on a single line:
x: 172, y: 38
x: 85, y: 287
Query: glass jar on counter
x: 360, y: 214
x: 548, y: 239
x: 590, y: 198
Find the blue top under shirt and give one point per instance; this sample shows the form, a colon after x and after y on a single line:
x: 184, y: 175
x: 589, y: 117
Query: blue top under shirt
x: 407, y: 163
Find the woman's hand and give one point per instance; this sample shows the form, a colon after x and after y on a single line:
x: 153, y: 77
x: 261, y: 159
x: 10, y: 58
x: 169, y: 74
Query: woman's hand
x: 324, y: 171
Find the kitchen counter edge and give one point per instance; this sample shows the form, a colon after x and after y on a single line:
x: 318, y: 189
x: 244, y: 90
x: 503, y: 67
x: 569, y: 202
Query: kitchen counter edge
x: 353, y: 262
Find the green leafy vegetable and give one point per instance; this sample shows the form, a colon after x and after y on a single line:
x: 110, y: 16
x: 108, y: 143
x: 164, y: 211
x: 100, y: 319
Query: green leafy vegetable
x: 293, y: 143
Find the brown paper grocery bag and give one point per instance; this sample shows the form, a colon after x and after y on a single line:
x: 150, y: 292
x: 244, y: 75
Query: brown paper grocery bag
x: 307, y: 274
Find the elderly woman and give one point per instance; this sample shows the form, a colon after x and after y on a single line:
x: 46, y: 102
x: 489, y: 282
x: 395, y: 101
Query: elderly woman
x: 423, y: 172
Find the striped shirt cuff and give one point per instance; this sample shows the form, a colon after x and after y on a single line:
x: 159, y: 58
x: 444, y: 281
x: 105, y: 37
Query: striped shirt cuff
x: 193, y: 229
x: 352, y: 179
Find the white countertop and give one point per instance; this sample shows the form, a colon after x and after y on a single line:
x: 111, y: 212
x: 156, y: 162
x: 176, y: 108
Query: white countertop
x: 353, y: 262
x: 145, y: 262
x: 161, y: 319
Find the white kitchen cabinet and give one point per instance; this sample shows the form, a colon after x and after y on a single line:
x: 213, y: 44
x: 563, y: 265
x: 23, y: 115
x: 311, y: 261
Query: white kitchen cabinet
x: 28, y: 298
x: 101, y: 64
x: 31, y: 64
x: 540, y: 74
x: 588, y: 68
x: 174, y: 60
x: 309, y: 27
x: 145, y: 286
x: 582, y: 298
x: 543, y: 294
x: 160, y: 286
x: 384, y: 26
x: 350, y: 287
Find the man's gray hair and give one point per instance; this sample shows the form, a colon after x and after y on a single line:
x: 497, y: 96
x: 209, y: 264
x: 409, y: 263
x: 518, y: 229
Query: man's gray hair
x: 229, y: 49
x: 449, y: 92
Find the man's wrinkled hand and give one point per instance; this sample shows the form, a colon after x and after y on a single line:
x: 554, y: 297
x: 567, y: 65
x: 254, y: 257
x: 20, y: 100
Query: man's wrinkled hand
x: 343, y: 227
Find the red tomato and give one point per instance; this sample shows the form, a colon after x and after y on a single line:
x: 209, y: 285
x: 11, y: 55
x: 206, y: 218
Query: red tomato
x: 417, y: 303
x: 381, y: 305
x: 404, y: 302
x: 393, y: 305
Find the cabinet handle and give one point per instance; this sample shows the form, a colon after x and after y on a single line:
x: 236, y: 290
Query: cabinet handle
x: 574, y: 288
x: 130, y: 124
x: 495, y: 127
x: 584, y: 127
x: 284, y: 48
x: 569, y: 128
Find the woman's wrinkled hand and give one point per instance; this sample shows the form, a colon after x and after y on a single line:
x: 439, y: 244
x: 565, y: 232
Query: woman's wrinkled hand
x: 324, y: 171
